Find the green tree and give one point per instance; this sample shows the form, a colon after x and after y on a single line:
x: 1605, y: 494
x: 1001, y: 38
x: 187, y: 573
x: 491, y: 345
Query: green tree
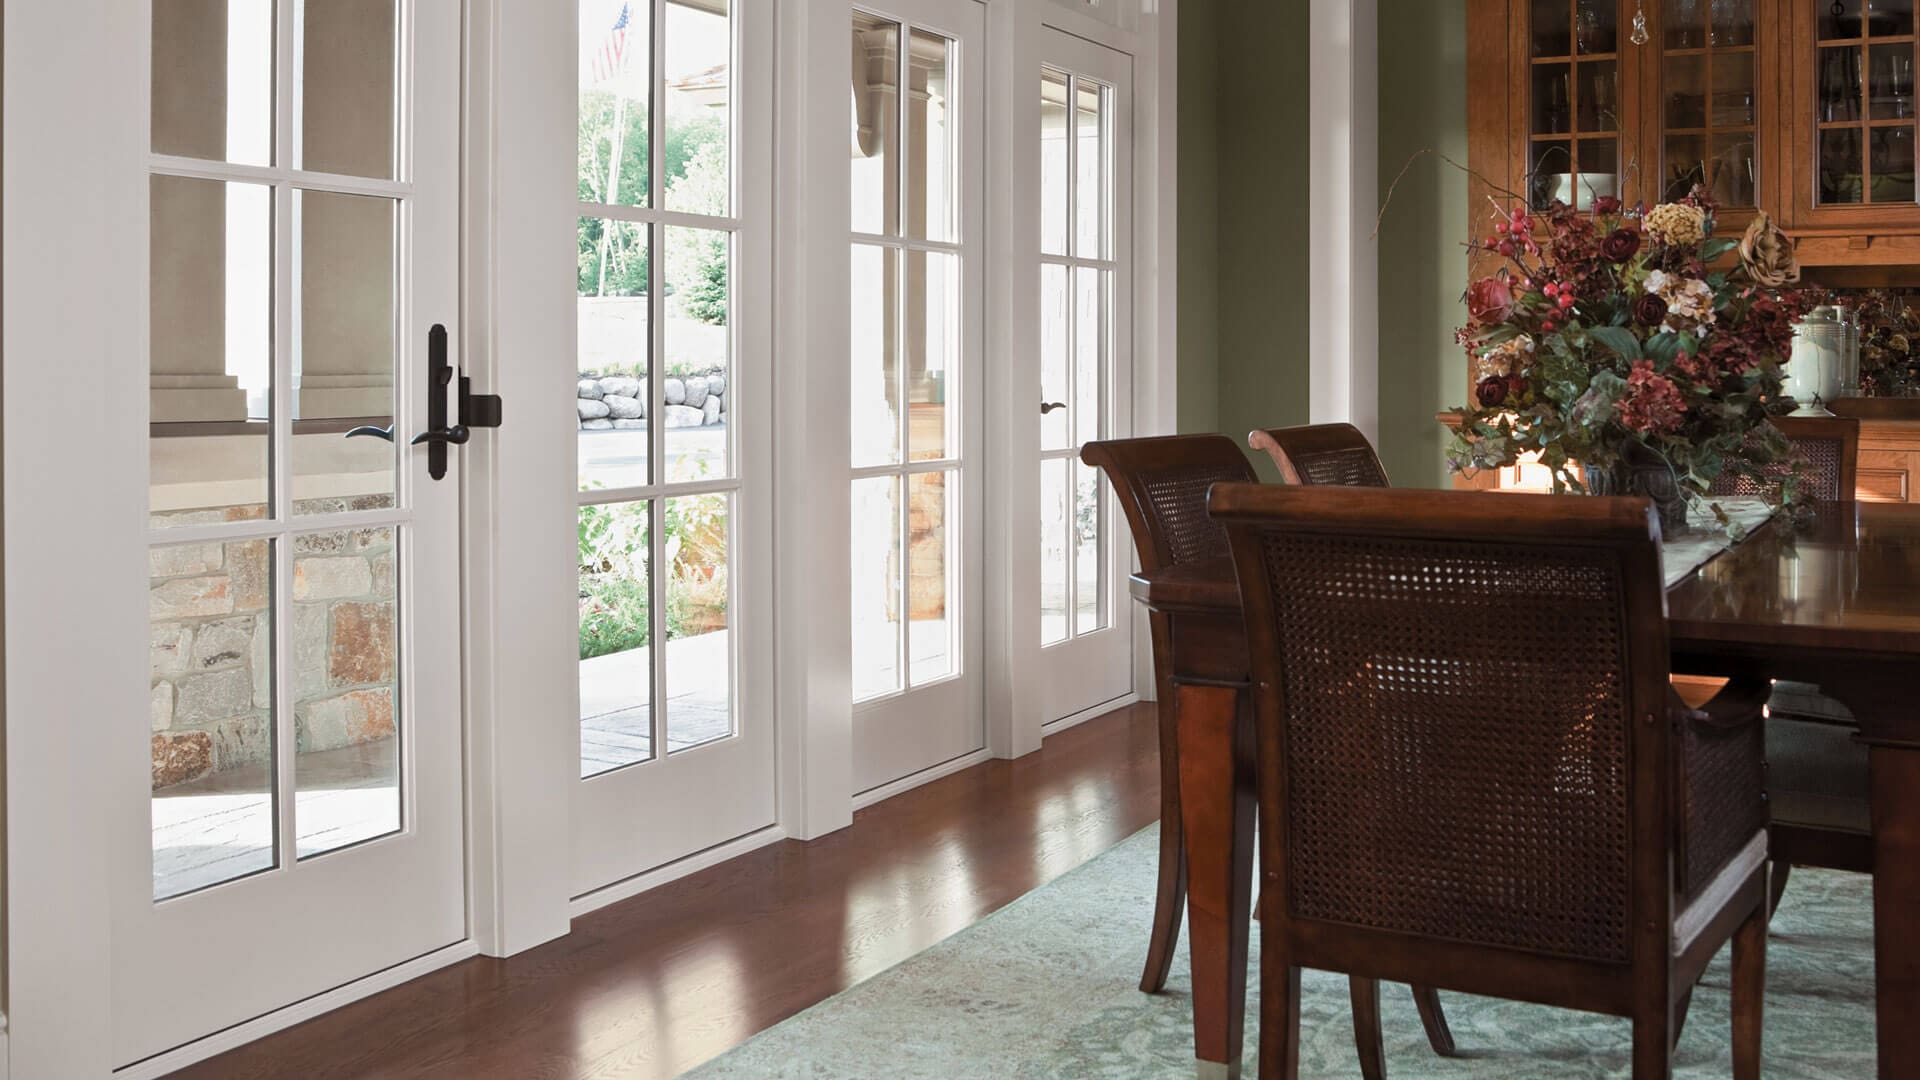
x: 697, y: 267
x: 689, y: 135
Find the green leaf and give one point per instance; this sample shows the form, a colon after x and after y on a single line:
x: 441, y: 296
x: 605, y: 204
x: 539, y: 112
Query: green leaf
x: 1619, y: 340
x: 1662, y: 348
x: 1716, y: 248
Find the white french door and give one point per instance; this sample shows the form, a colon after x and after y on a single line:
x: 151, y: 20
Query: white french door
x: 297, y: 822
x: 670, y: 388
x: 1086, y: 367
x: 918, y: 149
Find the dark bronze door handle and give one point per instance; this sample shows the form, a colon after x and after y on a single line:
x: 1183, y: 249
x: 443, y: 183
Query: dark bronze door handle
x: 1049, y: 406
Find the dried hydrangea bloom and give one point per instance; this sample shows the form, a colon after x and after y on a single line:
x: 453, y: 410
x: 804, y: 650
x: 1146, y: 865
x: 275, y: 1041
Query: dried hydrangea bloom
x: 1677, y: 224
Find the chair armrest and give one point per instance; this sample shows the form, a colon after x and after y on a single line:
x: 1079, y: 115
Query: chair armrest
x: 1739, y: 702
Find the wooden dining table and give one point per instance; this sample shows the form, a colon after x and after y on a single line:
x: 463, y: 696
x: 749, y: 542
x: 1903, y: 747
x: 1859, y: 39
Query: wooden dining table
x: 1833, y: 601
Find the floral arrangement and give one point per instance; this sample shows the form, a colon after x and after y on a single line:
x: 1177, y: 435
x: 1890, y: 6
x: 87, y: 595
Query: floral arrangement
x: 1889, y: 346
x: 1608, y: 339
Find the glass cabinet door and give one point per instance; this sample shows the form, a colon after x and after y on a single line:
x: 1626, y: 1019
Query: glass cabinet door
x: 1863, y: 102
x: 1573, y: 115
x: 1708, y: 104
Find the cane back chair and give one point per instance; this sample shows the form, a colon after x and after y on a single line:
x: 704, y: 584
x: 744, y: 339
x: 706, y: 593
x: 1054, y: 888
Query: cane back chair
x: 1473, y: 772
x: 1337, y: 455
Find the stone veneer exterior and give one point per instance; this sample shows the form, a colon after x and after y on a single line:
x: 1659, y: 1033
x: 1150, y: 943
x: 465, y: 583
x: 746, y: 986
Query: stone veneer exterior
x: 210, y: 607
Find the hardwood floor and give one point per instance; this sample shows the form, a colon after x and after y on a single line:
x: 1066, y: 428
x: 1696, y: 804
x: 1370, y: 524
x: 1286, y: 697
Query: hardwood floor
x: 657, y: 984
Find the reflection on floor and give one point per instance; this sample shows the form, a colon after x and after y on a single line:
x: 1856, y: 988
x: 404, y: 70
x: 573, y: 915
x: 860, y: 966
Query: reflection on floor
x: 221, y: 826
x: 616, y: 721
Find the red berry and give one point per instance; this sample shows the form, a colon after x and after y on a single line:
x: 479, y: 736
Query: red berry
x: 1506, y: 248
x: 1566, y: 301
x: 1550, y: 289
x: 1547, y: 326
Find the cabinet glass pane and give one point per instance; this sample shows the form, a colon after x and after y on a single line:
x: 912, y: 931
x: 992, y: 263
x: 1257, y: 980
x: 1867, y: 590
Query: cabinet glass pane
x: 210, y: 276
x: 1599, y: 171
x: 345, y: 266
x: 1055, y: 545
x: 1732, y: 23
x: 1054, y: 429
x: 876, y: 131
x: 698, y: 92
x: 1686, y: 166
x: 874, y: 391
x: 699, y: 671
x: 1840, y: 165
x: 1685, y: 98
x: 698, y: 388
x: 1089, y: 568
x: 1837, y: 21
x: 613, y: 399
x: 1552, y: 27
x: 347, y: 79
x: 346, y: 688
x: 1839, y: 86
x: 1891, y: 160
x: 875, y: 553
x: 930, y: 138
x: 1550, y: 173
x: 1733, y: 84
x: 1599, y: 96
x: 1596, y: 26
x: 212, y: 80
x: 933, y: 353
x: 1054, y: 188
x: 1552, y: 99
x: 1733, y: 174
x: 616, y: 635
x: 1890, y: 82
x: 931, y: 498
x: 1686, y: 24
x: 616, y: 84
x: 210, y: 612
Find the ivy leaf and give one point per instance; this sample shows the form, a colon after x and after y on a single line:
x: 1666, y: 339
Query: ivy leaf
x: 1663, y: 348
x: 1618, y: 340
x: 1599, y: 403
x: 1714, y: 249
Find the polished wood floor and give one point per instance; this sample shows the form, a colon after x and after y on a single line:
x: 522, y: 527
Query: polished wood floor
x: 657, y: 984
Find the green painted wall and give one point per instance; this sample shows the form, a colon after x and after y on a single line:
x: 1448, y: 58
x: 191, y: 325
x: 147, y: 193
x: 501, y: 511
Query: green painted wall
x: 1244, y: 213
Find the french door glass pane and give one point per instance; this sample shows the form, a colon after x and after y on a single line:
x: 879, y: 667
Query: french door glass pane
x: 1089, y: 349
x: 1053, y: 163
x: 1055, y: 544
x: 346, y: 688
x: 876, y: 373
x: 211, y: 350
x: 613, y: 397
x: 699, y: 671
x: 697, y: 341
x: 347, y: 79
x: 345, y: 268
x: 210, y: 609
x: 1089, y: 130
x: 616, y: 81
x: 930, y: 164
x: 930, y: 582
x: 875, y: 552
x: 1054, y: 362
x: 876, y: 132
x: 616, y: 631
x: 698, y: 93
x: 933, y: 349
x: 1089, y: 531
x: 213, y: 80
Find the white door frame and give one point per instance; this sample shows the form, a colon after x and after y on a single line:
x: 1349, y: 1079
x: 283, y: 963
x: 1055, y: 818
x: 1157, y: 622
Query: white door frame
x: 519, y: 751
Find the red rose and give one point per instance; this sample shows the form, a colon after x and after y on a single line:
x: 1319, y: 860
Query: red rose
x: 1606, y: 205
x: 1622, y: 245
x: 1492, y: 391
x: 1650, y: 310
x: 1517, y: 386
x: 1490, y: 301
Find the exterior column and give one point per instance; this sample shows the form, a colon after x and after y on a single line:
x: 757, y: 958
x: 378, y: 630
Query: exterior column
x: 1344, y: 185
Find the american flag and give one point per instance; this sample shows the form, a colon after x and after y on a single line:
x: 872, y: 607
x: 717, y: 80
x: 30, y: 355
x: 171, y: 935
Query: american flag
x: 610, y: 58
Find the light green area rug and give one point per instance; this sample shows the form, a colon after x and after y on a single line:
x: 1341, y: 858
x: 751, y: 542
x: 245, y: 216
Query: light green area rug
x: 1047, y: 988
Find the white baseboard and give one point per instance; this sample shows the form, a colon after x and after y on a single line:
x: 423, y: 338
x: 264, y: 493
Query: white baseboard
x: 1057, y: 726
x: 628, y: 888
x: 923, y: 777
x: 260, y: 1026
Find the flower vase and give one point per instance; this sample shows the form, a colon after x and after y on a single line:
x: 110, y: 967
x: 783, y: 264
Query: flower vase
x: 1645, y: 473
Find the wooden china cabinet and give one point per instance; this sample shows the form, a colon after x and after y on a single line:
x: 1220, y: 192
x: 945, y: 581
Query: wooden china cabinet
x: 1807, y: 109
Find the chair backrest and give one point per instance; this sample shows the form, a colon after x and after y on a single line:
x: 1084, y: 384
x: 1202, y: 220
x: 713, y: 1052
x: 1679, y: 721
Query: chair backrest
x: 1826, y: 449
x: 1162, y: 487
x: 1455, y: 695
x: 1332, y: 454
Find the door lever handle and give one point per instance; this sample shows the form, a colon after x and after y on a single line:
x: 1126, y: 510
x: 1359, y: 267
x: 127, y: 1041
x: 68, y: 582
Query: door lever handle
x: 376, y: 432
x: 1049, y: 406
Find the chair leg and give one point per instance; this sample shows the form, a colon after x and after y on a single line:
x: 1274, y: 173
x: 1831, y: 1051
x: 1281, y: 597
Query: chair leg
x: 1279, y: 1014
x: 1780, y: 872
x: 1169, y: 906
x: 1749, y: 994
x: 1680, y: 1010
x: 1434, y: 1019
x: 1366, y: 1027
x: 1653, y: 1044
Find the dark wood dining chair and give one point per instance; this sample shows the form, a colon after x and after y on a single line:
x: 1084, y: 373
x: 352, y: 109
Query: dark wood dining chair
x: 1473, y: 771
x: 1817, y: 780
x: 1332, y: 454
x: 1161, y: 484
